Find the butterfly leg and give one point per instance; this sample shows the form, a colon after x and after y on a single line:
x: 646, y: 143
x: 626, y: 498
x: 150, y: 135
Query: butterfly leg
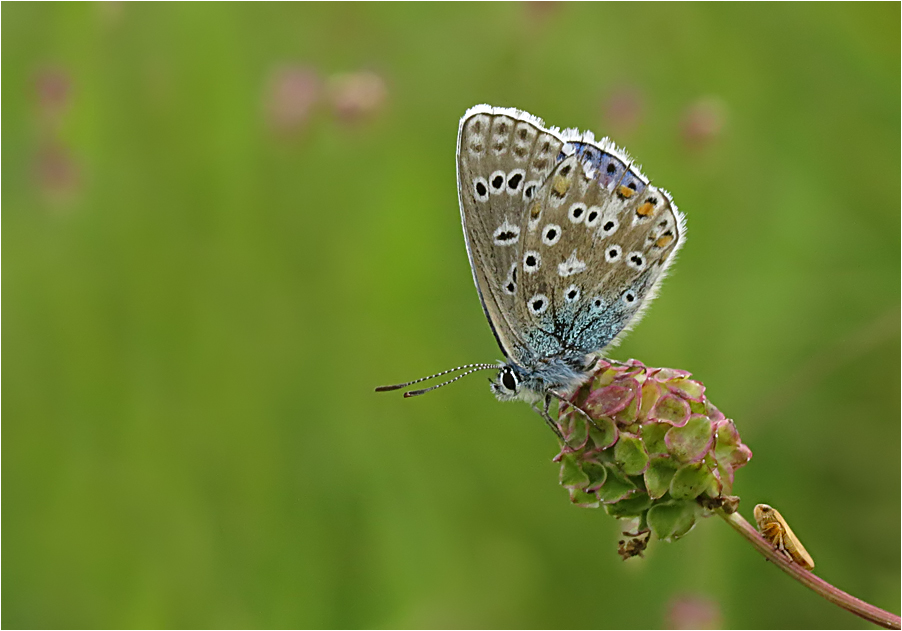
x: 543, y: 412
x: 575, y: 407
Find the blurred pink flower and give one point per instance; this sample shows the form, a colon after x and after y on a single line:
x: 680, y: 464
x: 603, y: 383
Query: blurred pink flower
x: 292, y: 94
x: 55, y: 171
x: 703, y: 121
x: 53, y: 89
x: 693, y: 612
x: 357, y: 95
x: 542, y: 9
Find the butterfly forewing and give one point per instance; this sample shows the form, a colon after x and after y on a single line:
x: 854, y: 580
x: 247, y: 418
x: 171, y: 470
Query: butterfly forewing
x: 504, y: 156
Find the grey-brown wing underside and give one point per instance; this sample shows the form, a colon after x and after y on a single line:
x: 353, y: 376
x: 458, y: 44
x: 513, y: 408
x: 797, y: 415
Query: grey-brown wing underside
x: 503, y: 157
x: 597, y: 241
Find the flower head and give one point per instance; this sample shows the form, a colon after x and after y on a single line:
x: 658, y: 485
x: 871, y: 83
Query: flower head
x: 655, y: 451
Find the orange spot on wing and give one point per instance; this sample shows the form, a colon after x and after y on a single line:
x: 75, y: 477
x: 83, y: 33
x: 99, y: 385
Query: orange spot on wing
x: 625, y: 192
x: 664, y: 240
x: 645, y: 210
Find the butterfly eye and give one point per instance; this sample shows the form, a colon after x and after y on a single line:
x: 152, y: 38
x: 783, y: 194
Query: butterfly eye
x: 508, y: 380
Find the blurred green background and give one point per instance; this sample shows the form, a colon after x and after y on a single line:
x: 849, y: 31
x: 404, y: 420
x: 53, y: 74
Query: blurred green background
x: 226, y: 223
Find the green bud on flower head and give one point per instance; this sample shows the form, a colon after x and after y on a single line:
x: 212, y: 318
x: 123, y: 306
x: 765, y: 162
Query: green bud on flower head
x: 657, y: 451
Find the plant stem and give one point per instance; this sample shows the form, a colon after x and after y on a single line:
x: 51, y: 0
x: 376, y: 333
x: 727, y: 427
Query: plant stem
x: 833, y: 594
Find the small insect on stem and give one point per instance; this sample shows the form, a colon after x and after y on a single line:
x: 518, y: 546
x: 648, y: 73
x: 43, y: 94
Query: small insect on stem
x: 777, y: 532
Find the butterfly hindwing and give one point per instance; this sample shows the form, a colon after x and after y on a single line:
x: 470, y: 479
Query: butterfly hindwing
x: 598, y: 238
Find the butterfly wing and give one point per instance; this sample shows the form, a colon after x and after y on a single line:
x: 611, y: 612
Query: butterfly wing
x: 503, y: 157
x: 598, y: 238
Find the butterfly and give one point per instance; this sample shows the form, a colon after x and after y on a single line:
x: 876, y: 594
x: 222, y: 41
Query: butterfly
x: 567, y: 242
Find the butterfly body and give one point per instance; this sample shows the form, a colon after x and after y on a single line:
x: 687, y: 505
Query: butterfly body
x: 566, y: 239
x: 567, y: 242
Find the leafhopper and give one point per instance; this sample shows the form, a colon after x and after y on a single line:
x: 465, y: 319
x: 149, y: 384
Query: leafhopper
x: 777, y: 532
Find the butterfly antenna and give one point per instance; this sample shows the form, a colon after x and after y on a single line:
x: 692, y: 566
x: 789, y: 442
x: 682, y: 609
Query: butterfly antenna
x: 438, y: 374
x: 416, y: 393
